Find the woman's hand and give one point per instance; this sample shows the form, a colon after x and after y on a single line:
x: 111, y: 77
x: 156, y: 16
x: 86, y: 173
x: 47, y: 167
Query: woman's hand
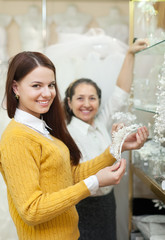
x: 136, y: 140
x: 111, y: 175
x: 138, y: 45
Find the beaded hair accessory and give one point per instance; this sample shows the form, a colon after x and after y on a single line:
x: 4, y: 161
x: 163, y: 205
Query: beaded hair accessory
x: 126, y: 128
x: 118, y: 138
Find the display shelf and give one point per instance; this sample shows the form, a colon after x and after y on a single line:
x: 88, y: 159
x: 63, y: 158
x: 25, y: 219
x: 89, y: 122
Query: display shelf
x: 147, y: 21
x: 158, y: 48
x: 145, y: 109
x: 147, y: 67
x: 154, y: 185
x: 146, y: 70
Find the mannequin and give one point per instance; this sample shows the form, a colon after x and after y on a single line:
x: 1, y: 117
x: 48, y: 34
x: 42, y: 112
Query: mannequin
x: 4, y: 22
x: 115, y: 24
x: 71, y: 21
x: 30, y: 25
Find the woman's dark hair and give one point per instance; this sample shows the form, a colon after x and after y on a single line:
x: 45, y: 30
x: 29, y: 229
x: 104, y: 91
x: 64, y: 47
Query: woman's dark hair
x: 19, y: 66
x: 70, y: 91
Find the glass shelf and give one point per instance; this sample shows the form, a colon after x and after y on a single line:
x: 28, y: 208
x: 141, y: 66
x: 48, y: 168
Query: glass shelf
x: 150, y: 110
x: 150, y: 182
x: 148, y: 165
x: 147, y: 67
x: 157, y: 48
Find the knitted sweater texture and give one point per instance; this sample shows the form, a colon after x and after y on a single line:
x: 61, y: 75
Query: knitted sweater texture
x: 43, y: 187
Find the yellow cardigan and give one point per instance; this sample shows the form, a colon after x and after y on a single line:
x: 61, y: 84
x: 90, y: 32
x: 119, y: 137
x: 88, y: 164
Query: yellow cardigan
x: 43, y: 188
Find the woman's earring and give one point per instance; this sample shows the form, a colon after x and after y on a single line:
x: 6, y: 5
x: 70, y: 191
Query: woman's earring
x: 16, y: 96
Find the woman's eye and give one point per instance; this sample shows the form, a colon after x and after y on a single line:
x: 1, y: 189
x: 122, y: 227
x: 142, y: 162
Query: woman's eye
x: 52, y: 85
x: 93, y: 98
x: 36, y: 86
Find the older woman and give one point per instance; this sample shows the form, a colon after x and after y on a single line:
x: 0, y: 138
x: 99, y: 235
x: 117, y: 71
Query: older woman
x: 91, y: 128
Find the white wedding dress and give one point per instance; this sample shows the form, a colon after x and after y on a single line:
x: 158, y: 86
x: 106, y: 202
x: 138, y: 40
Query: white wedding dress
x: 92, y: 55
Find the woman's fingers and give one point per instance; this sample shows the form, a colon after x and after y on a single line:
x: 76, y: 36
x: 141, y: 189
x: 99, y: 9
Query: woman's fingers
x: 138, y: 45
x: 115, y: 167
x: 111, y: 175
x: 122, y: 167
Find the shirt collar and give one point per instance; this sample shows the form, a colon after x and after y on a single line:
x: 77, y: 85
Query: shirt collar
x: 31, y: 121
x: 81, y: 125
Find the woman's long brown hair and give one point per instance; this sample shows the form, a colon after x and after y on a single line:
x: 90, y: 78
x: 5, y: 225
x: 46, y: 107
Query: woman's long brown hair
x: 21, y: 65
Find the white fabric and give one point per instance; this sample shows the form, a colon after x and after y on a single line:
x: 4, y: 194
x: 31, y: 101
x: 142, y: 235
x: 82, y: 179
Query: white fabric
x: 93, y: 140
x: 157, y: 237
x: 92, y: 184
x: 92, y: 55
x: 151, y: 226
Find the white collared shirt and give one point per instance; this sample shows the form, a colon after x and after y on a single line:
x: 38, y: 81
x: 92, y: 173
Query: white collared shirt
x: 33, y: 122
x: 40, y: 126
x: 92, y: 140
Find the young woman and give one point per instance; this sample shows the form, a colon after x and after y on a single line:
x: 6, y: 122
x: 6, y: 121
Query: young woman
x: 39, y: 160
x: 91, y: 128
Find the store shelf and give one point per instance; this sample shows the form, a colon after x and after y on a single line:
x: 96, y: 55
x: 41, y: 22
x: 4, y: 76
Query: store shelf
x: 150, y: 182
x: 157, y: 48
x: 145, y: 109
x: 147, y: 68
